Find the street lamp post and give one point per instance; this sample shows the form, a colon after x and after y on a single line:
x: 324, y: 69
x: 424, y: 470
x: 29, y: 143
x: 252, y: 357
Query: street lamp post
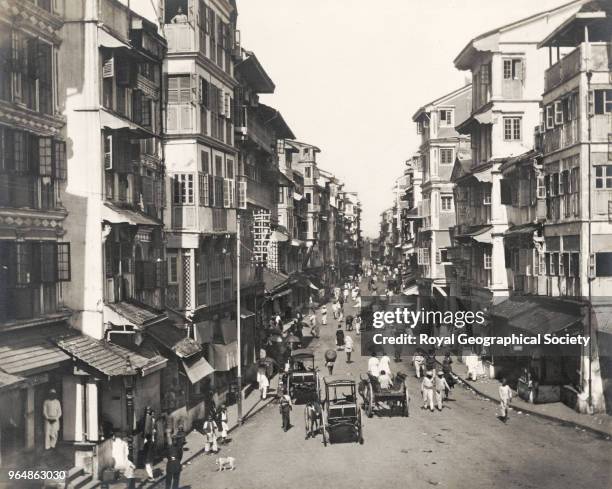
x: 238, y: 318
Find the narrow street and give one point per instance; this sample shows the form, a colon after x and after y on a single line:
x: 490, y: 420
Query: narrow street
x: 463, y: 446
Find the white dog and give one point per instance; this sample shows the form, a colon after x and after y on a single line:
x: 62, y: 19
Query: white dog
x: 226, y: 463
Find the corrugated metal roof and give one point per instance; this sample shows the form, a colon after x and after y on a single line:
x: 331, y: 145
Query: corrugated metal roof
x: 31, y: 349
x: 107, y: 358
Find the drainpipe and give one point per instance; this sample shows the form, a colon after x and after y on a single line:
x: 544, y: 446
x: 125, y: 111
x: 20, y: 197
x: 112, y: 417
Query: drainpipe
x: 589, y: 74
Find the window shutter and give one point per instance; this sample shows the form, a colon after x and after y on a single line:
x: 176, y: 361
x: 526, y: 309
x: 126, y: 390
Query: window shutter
x: 59, y: 160
x: 108, y: 68
x: 242, y: 195
x: 184, y: 89
x: 108, y: 152
x: 185, y: 117
x: 438, y: 257
x: 48, y: 263
x: 227, y: 192
x: 506, y: 191
x: 173, y: 117
x: 211, y: 191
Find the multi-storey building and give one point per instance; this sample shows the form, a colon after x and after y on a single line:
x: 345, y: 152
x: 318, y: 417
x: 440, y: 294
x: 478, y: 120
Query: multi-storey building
x: 411, y: 220
x: 303, y: 160
x: 260, y: 131
x: 440, y: 142
x: 292, y: 210
x: 507, y: 84
x: 35, y: 251
x: 113, y: 107
x: 576, y: 253
x: 353, y: 239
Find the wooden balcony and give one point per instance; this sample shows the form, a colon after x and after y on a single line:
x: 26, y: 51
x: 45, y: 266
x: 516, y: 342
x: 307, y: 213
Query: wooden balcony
x: 574, y: 63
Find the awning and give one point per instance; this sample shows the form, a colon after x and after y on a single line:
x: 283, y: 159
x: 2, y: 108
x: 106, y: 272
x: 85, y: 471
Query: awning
x: 225, y: 357
x: 483, y: 176
x: 535, y: 314
x: 116, y: 122
x: 279, y: 237
x: 8, y: 381
x: 523, y: 229
x: 227, y: 330
x: 204, y: 331
x: 273, y: 280
x: 412, y: 290
x: 485, y: 117
x: 120, y: 313
x: 443, y: 239
x: 481, y: 234
x: 174, y: 339
x: 197, y: 368
x: 281, y: 294
x: 117, y: 215
x: 245, y: 313
x: 297, y: 242
x: 107, y: 358
x: 106, y: 40
x: 297, y: 196
x: 31, y: 350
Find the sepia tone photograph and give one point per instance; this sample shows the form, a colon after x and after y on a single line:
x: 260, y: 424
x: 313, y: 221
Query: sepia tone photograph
x: 271, y: 244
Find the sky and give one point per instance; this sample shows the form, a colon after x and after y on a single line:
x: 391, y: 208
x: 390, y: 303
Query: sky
x: 350, y: 74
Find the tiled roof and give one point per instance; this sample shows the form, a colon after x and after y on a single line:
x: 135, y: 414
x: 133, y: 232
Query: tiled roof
x: 29, y: 350
x: 134, y: 313
x: 107, y: 358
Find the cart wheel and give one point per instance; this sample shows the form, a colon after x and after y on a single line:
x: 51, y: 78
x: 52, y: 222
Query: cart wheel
x: 360, y: 430
x: 370, y: 401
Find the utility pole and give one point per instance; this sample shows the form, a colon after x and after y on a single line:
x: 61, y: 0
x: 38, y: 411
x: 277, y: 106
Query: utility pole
x: 238, y: 318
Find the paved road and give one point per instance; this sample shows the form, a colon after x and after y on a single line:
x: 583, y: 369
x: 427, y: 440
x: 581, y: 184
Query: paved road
x: 464, y: 446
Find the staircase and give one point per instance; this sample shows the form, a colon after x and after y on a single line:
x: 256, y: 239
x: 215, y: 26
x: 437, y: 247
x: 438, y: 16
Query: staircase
x: 77, y: 478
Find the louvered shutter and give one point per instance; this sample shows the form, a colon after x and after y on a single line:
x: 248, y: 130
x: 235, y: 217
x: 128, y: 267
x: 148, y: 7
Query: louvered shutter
x: 211, y: 191
x: 242, y: 195
x: 48, y: 265
x: 173, y: 90
x: 227, y: 193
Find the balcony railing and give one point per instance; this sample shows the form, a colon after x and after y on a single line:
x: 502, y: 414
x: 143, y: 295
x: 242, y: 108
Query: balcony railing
x: 569, y: 66
x: 561, y: 136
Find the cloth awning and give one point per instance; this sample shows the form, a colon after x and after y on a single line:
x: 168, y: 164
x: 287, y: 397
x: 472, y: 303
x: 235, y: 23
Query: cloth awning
x: 482, y: 234
x: 412, y: 290
x: 281, y: 294
x: 117, y: 215
x: 484, y: 117
x: 523, y: 229
x: 107, y: 40
x: 204, y: 331
x: 227, y: 330
x: 32, y: 350
x: 279, y: 237
x: 245, y: 313
x: 224, y: 357
x: 197, y: 368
